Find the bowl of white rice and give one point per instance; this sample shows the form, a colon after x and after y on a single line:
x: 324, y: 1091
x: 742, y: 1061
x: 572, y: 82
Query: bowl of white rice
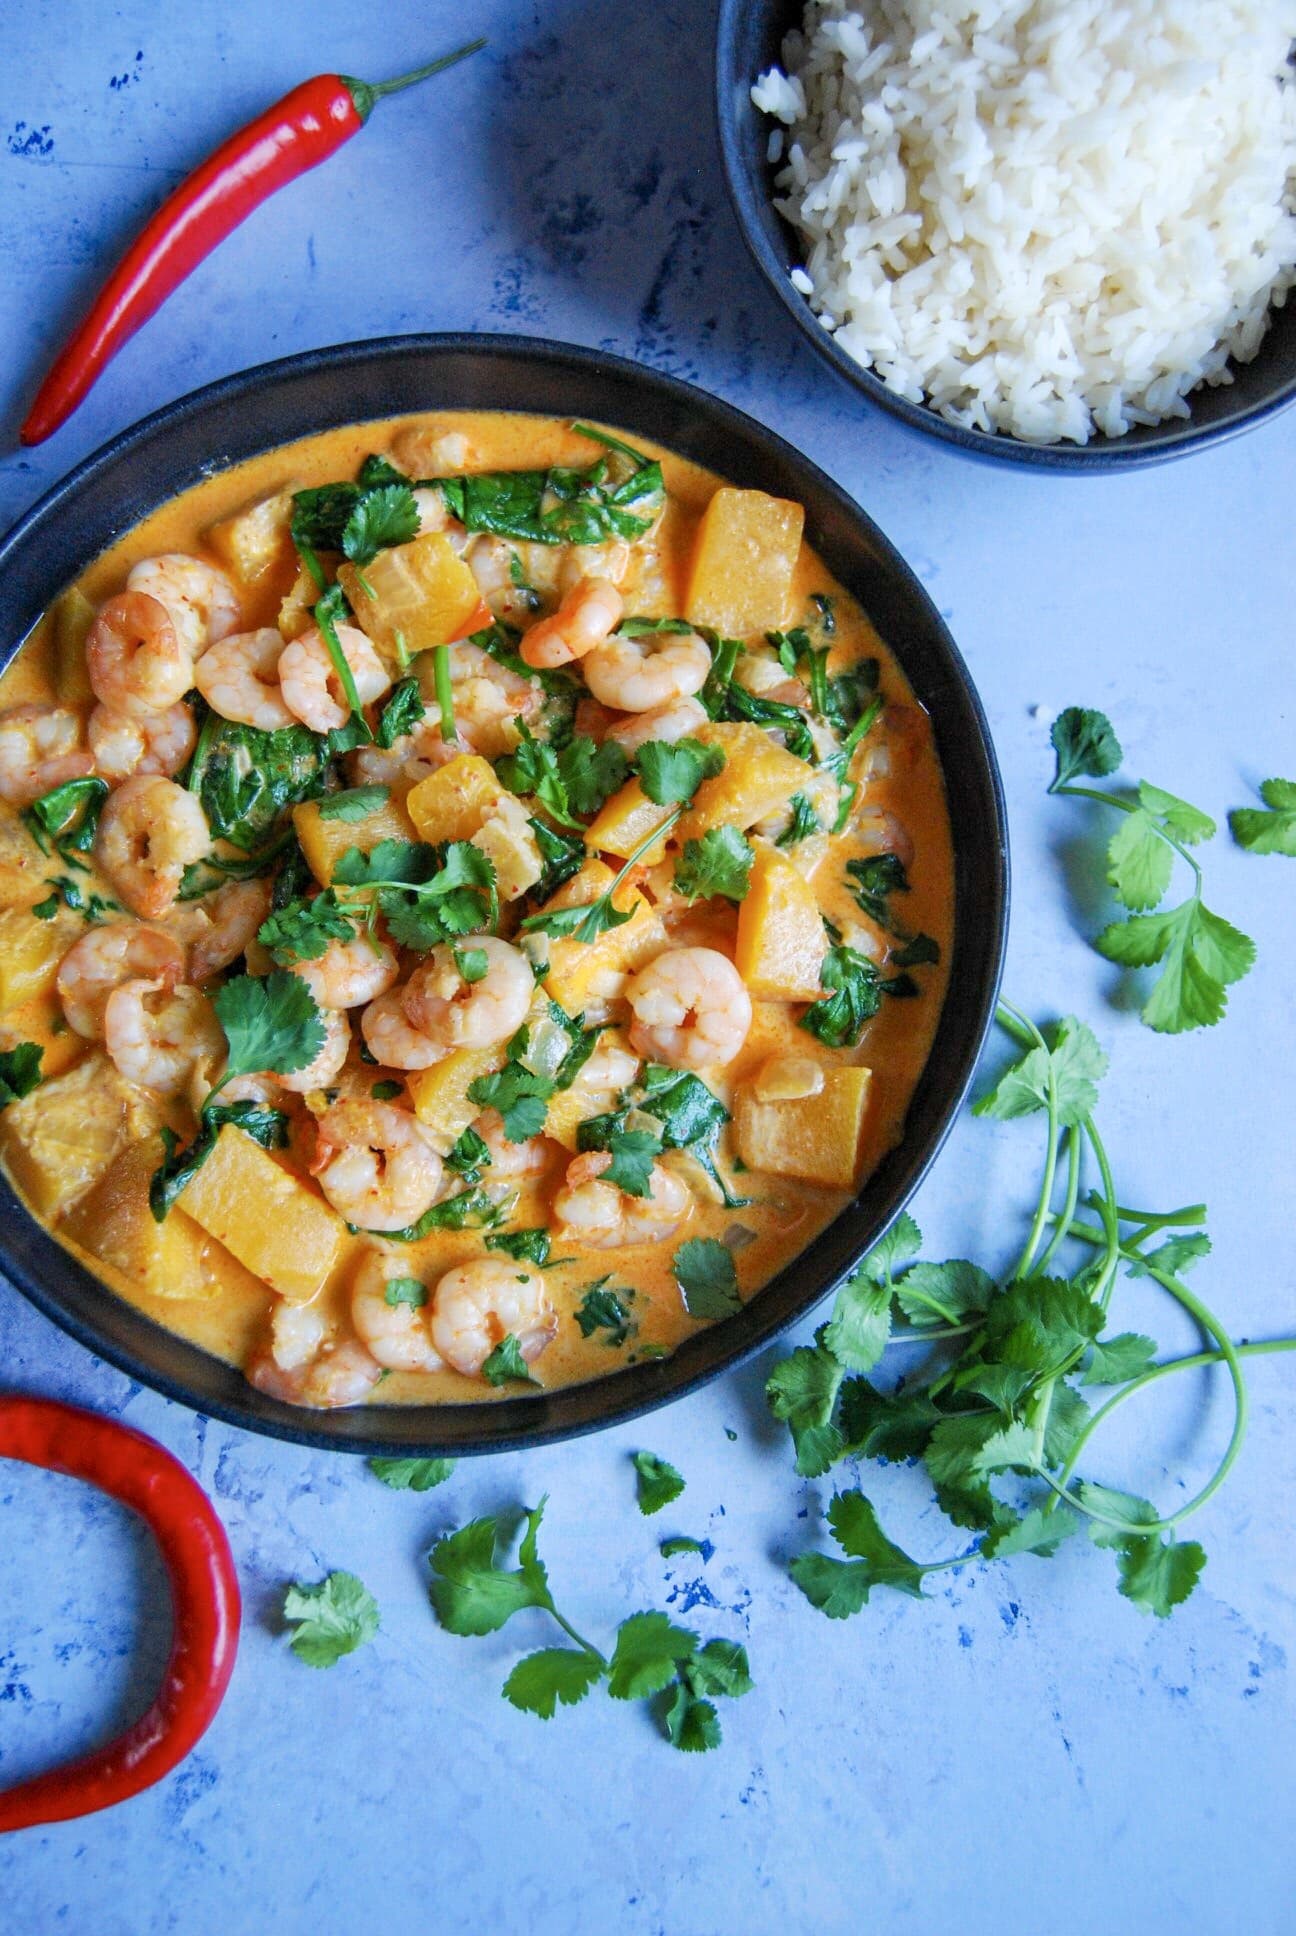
x: 1057, y: 231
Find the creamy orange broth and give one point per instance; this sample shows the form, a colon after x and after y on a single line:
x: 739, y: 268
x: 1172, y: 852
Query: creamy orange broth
x: 230, y: 1315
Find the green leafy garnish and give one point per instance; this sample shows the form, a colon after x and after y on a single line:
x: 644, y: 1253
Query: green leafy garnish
x: 412, y: 1475
x: 704, y: 1271
x: 20, y: 1071
x: 331, y: 1619
x: 355, y: 803
x: 271, y: 1022
x: 658, y: 1484
x: 406, y: 1290
x: 66, y: 819
x: 303, y: 930
x: 562, y: 506
x: 602, y: 1309
x: 507, y: 1365
x: 529, y: 1246
x: 266, y: 1126
x: 841, y: 1587
x: 719, y: 863
x: 427, y: 895
x: 356, y: 519
x: 568, y: 782
x: 855, y: 995
x: 671, y: 772
x: 245, y: 780
x: 1199, y: 953
x: 537, y: 1068
x: 588, y: 920
x: 691, y: 1117
x: 681, y: 1543
x: 473, y: 1594
x: 804, y: 822
x: 873, y: 881
x: 1270, y: 829
x: 789, y: 720
x: 401, y: 714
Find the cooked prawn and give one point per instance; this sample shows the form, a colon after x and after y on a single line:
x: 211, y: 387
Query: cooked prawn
x: 239, y: 679
x: 582, y: 623
x: 691, y: 1009
x: 488, y: 699
x: 309, y: 683
x: 671, y: 722
x: 609, y: 561
x: 646, y: 673
x: 301, y: 1365
x: 151, y: 743
x: 136, y: 660
x: 350, y: 972
x: 155, y: 1033
x: 40, y: 749
x: 506, y: 1158
x: 328, y: 1063
x: 421, y: 451
x: 202, y: 603
x: 591, y: 1211
x: 391, y: 1037
x: 150, y: 830
x: 477, y: 1305
x: 395, y: 1328
x: 470, y: 1015
x: 221, y: 926
x: 103, y: 959
x: 375, y: 1165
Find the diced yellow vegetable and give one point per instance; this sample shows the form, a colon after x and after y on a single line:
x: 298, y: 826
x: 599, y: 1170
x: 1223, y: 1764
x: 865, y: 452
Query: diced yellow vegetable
x: 325, y: 839
x: 781, y: 941
x: 588, y: 971
x: 297, y: 607
x: 256, y: 537
x: 61, y: 1138
x: 73, y: 617
x: 454, y: 802
x: 757, y: 777
x: 747, y: 548
x: 817, y: 1138
x: 423, y: 590
x: 30, y: 953
x: 625, y: 819
x: 23, y: 867
x: 510, y: 846
x: 271, y: 1222
x: 440, y: 1094
x: 114, y: 1223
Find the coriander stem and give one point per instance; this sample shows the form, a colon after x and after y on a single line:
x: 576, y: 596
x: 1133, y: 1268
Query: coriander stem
x: 1069, y: 1206
x: 572, y: 1634
x: 1050, y: 1159
x: 341, y: 664
x: 1132, y: 806
x: 919, y: 1336
x: 1107, y: 1210
x: 1150, y: 1220
x: 444, y: 692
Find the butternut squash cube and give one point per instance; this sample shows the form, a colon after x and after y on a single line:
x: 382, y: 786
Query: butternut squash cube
x: 581, y: 972
x: 61, y: 1138
x: 747, y: 548
x: 817, y: 1138
x: 114, y: 1223
x: 625, y: 819
x: 440, y: 1094
x: 455, y: 802
x: 272, y: 1223
x: 423, y: 590
x: 781, y: 941
x: 257, y: 537
x: 73, y: 617
x: 297, y: 607
x: 30, y: 953
x: 510, y: 846
x: 23, y: 868
x: 325, y: 838
x: 757, y: 777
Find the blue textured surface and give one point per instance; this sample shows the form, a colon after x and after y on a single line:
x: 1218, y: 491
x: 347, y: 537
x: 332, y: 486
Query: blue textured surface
x: 1025, y: 1750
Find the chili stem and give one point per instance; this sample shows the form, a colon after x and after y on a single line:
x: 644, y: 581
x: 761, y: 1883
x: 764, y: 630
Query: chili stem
x: 367, y: 94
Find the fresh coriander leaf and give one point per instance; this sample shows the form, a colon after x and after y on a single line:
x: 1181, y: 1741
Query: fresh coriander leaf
x: 1040, y: 1324
x: 531, y: 1246
x: 860, y: 1327
x: 1035, y: 1532
x: 1113, y: 1361
x: 385, y: 515
x: 901, y: 1242
x: 1176, y: 1255
x: 1187, y: 823
x: 271, y: 1022
x: 885, y: 1425
x: 591, y: 772
x: 602, y: 1310
x: 1084, y: 743
x: 403, y: 713
x: 1078, y: 1065
x: 689, y: 1724
x: 839, y: 1588
x: 802, y: 1390
x: 412, y: 1475
x: 681, y: 1543
x: 471, y: 1592
x: 1271, y: 832
x: 647, y: 1655
x: 691, y: 1118
x: 838, y: 1019
x: 1066, y: 1418
x: 714, y: 695
x: 633, y: 1153
x: 563, y: 855
x: 20, y: 1071
x: 945, y: 1292
x: 506, y: 1364
x: 1158, y: 1575
x: 574, y: 780
x: 406, y: 1290
x: 704, y: 1271
x: 354, y: 803
x: 672, y: 772
x: 1139, y: 862
x: 969, y: 1446
x: 585, y: 922
x: 474, y: 1209
x: 1201, y: 955
x: 332, y: 1619
x: 468, y: 1156
x: 1130, y: 1513
x: 719, y: 863
x: 473, y: 963
x: 659, y: 1482
x: 721, y: 1667
x: 1003, y: 1385
x: 303, y: 930
x: 556, y: 1675
x: 320, y: 516
x: 804, y: 822
x: 873, y: 881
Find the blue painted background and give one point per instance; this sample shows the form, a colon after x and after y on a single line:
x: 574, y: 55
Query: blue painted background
x: 1024, y: 1751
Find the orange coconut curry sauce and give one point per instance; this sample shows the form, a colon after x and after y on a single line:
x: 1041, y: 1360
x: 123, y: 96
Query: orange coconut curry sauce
x: 479, y: 922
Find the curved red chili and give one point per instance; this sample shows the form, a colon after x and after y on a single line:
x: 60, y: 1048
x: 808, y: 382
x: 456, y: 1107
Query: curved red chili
x: 297, y: 133
x: 204, y: 1597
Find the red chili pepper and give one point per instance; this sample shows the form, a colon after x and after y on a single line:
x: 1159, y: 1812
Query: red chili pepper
x: 204, y: 1599
x: 297, y: 133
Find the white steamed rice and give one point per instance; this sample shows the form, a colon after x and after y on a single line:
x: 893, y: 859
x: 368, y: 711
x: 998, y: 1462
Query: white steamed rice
x: 1046, y: 217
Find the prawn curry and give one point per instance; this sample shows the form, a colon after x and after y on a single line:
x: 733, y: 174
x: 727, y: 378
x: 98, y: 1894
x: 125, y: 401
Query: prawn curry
x: 475, y: 899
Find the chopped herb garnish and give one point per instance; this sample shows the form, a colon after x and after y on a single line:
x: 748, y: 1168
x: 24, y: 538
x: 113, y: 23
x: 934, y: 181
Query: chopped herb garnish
x: 672, y: 771
x: 20, y: 1071
x: 658, y: 1484
x: 506, y: 1365
x: 719, y: 863
x: 331, y: 1619
x: 704, y: 1271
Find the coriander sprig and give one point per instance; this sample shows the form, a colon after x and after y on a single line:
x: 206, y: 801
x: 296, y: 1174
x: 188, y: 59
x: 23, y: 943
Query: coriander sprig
x: 652, y: 1659
x: 1200, y: 953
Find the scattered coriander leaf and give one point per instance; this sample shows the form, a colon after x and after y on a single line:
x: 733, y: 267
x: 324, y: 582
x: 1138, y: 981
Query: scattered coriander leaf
x: 271, y: 1022
x: 1268, y: 832
x: 802, y: 1390
x: 646, y: 1656
x: 681, y: 1543
x: 859, y: 1329
x: 704, y: 1271
x: 838, y: 1018
x: 403, y: 713
x: 1085, y: 744
x: 531, y: 1246
x: 1113, y: 1361
x: 412, y: 1475
x: 332, y: 1619
x: 507, y: 1364
x: 1036, y: 1531
x: 471, y: 1592
x: 602, y: 1309
x: 354, y: 803
x: 672, y: 771
x: 659, y: 1482
x: 720, y: 863
x: 689, y: 1724
x: 554, y: 1676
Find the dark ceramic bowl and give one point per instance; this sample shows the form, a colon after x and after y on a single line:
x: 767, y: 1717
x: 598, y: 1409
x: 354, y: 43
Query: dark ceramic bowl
x: 247, y: 414
x: 749, y: 39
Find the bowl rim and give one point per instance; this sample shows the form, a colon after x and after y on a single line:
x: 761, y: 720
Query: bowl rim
x: 72, y: 1297
x: 752, y: 203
